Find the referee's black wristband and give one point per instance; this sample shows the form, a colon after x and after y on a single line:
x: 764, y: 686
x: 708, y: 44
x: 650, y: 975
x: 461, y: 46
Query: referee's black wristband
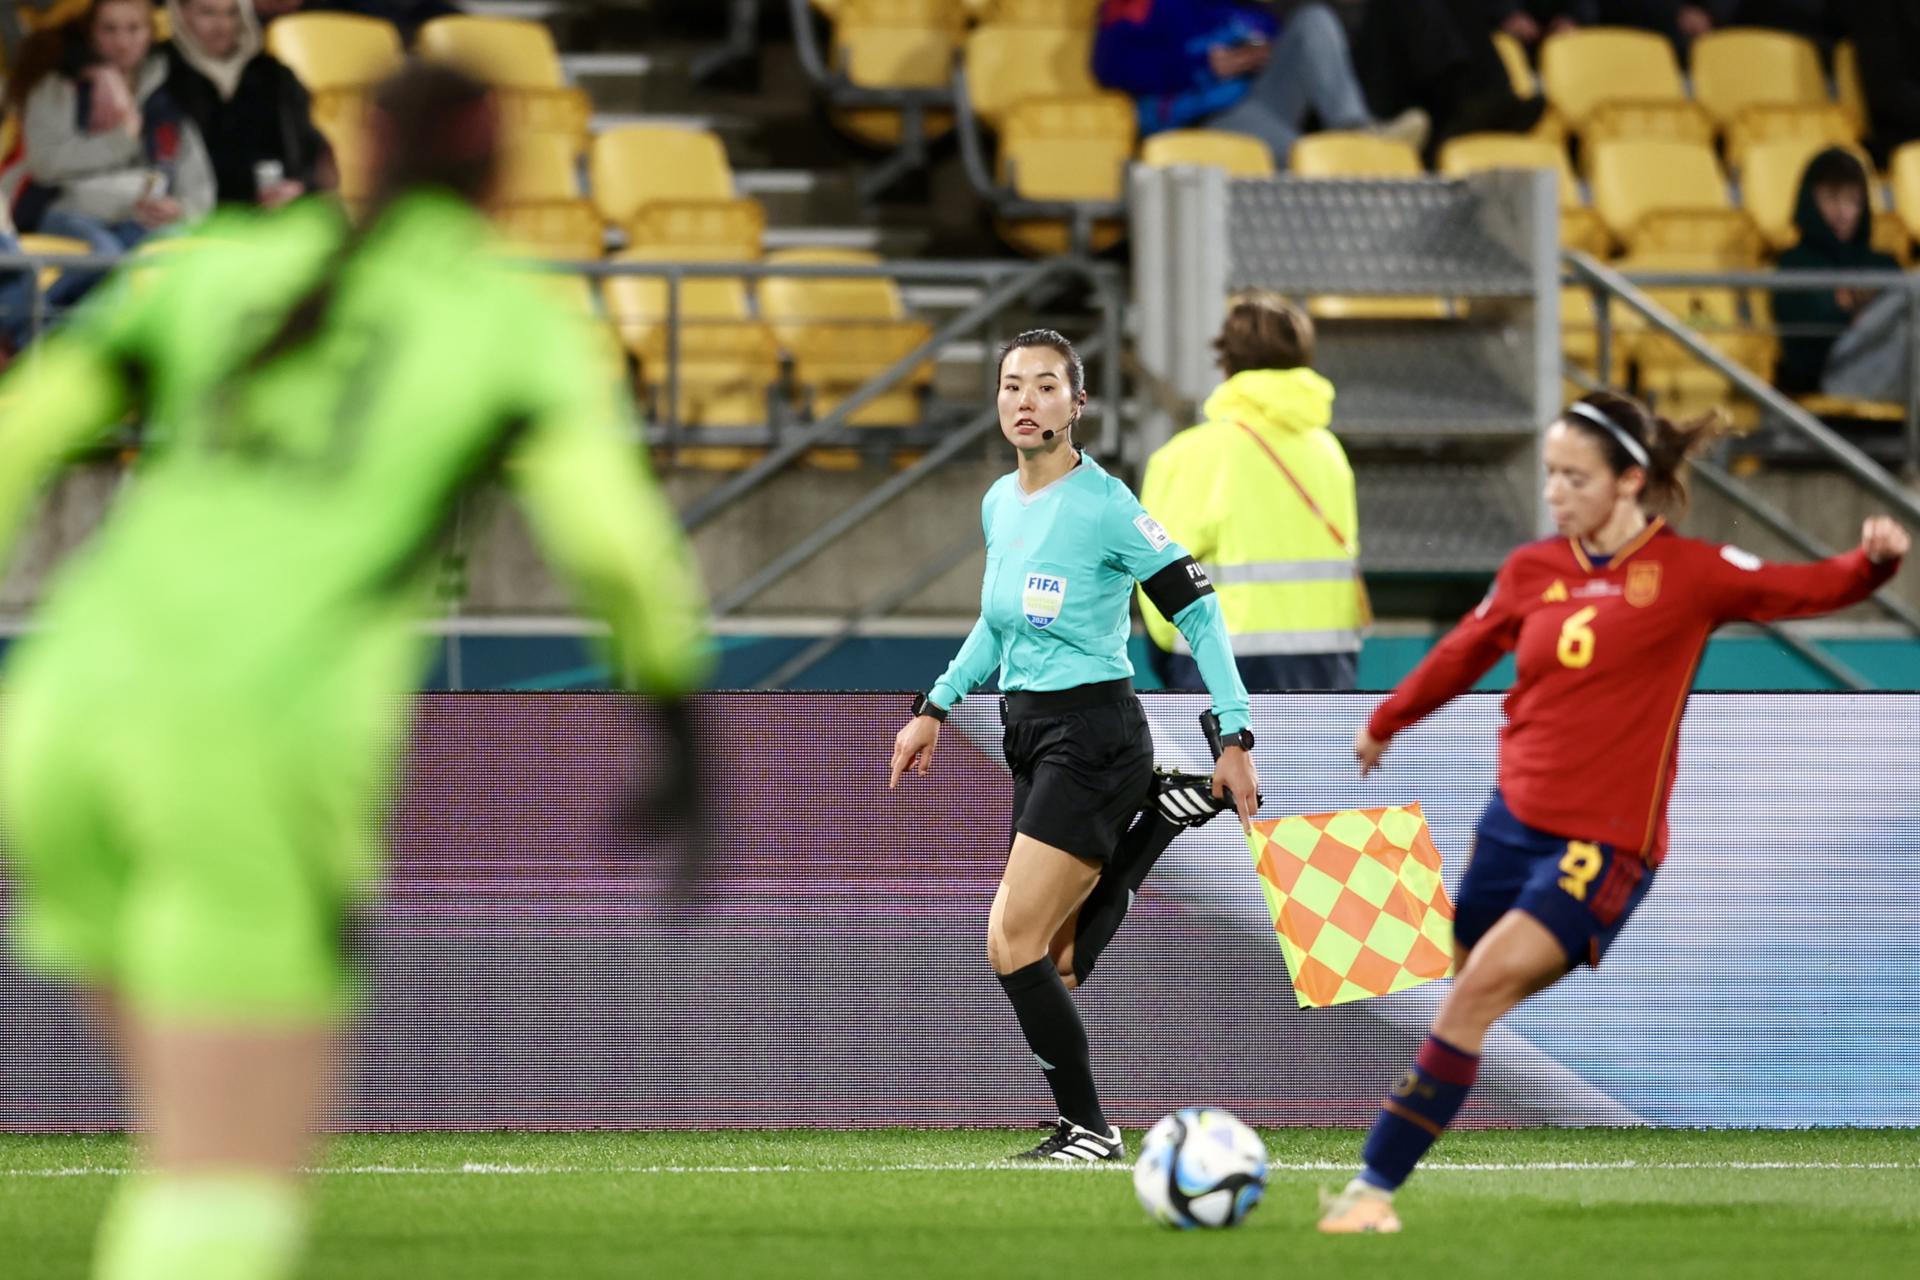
x: 925, y: 706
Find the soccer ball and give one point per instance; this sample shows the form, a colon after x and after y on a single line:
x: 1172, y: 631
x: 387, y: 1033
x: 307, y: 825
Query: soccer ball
x: 1200, y: 1167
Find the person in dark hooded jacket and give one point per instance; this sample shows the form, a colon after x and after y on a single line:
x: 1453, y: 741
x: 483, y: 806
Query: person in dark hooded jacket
x: 248, y: 106
x: 1840, y: 342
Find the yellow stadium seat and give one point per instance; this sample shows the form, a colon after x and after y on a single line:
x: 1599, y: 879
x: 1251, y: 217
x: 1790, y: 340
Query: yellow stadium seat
x: 1580, y: 227
x: 1608, y: 83
x: 1065, y: 149
x: 1906, y: 186
x: 639, y: 164
x: 1740, y: 67
x: 1890, y: 236
x: 667, y: 186
x: 1770, y: 185
x: 728, y: 359
x: 56, y: 14
x: 1582, y: 69
x: 896, y: 44
x: 519, y: 59
x: 339, y: 58
x: 1239, y: 154
x: 730, y: 228
x: 1353, y: 155
x: 1823, y: 122
x: 335, y: 50
x: 844, y: 331
x: 1677, y: 381
x: 538, y: 205
x: 1850, y: 91
x: 1513, y: 56
x: 1669, y: 196
x: 1006, y: 64
x: 35, y: 245
x: 1859, y: 410
x: 1068, y: 148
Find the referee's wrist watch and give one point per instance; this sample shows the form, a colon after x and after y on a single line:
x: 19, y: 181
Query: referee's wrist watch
x: 925, y: 706
x: 1243, y: 740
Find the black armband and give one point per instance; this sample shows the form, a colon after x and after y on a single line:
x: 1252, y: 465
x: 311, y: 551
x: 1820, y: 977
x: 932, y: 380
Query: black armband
x: 1177, y: 586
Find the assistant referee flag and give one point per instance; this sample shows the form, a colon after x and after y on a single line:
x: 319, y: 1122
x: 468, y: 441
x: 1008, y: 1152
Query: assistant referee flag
x: 1356, y: 900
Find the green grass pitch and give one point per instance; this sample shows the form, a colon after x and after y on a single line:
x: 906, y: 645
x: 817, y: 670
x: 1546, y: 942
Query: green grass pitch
x: 1535, y: 1204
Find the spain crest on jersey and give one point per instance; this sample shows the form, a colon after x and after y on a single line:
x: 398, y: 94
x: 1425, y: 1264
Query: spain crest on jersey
x: 1041, y: 601
x: 1643, y: 583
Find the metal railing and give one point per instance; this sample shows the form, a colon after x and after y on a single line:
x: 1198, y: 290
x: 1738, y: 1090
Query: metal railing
x: 1006, y: 285
x: 1609, y: 286
x: 1603, y: 282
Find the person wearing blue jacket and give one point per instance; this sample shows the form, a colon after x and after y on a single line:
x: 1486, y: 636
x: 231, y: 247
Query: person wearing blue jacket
x: 1233, y: 65
x: 1066, y: 542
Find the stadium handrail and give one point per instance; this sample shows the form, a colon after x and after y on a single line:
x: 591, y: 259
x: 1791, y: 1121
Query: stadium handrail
x: 1598, y: 276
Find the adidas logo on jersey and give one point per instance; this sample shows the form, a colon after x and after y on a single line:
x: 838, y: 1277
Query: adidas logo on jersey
x: 1555, y: 593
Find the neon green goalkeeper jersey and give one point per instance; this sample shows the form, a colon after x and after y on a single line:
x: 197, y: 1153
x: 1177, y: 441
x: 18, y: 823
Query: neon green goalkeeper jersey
x: 279, y: 536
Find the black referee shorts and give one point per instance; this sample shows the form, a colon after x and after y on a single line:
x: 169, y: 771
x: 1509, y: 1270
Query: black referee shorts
x: 1082, y: 762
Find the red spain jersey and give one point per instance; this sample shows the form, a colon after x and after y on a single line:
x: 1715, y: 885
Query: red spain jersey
x: 1605, y: 657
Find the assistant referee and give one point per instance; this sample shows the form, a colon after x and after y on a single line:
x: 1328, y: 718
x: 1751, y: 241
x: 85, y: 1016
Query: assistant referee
x: 1066, y: 542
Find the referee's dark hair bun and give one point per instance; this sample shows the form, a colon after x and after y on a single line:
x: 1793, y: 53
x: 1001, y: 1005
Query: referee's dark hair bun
x: 1052, y: 341
x: 1669, y: 446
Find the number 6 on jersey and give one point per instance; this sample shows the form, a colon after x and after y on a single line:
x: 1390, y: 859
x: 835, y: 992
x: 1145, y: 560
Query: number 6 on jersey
x: 1577, y: 640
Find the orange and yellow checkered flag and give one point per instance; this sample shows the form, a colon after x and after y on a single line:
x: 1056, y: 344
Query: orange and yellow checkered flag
x: 1357, y: 901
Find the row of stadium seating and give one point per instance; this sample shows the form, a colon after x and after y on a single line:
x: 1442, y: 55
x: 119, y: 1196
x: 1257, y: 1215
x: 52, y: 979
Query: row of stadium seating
x: 669, y: 194
x: 1063, y: 139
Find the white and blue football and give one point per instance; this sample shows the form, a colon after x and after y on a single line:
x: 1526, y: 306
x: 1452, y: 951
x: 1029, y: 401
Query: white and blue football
x: 1200, y: 1167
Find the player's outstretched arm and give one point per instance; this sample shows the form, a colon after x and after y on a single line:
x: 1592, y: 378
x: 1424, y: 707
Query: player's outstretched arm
x: 1745, y: 588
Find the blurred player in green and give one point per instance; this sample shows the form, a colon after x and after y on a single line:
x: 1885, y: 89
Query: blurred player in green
x: 200, y: 737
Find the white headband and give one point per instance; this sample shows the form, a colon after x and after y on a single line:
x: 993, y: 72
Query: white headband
x: 1635, y: 450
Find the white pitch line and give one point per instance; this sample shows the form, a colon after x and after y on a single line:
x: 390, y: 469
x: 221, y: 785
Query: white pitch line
x: 1312, y: 1166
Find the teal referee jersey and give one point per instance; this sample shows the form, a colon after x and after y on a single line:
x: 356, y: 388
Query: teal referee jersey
x: 1061, y: 565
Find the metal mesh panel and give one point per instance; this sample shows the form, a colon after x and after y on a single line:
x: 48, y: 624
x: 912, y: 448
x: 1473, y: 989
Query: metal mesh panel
x: 1371, y: 236
x: 1439, y: 516
x: 1425, y: 379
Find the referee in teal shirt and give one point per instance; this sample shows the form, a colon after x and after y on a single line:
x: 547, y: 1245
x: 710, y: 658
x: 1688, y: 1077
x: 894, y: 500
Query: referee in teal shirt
x: 1065, y: 544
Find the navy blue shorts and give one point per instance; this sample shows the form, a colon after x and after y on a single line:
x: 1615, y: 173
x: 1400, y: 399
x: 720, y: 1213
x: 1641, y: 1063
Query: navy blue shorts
x: 1582, y: 892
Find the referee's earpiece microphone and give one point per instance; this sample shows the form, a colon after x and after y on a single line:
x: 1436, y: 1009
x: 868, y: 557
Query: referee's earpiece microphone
x: 1047, y: 434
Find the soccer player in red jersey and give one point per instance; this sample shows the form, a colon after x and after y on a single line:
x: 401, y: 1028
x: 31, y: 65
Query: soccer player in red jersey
x: 1607, y: 623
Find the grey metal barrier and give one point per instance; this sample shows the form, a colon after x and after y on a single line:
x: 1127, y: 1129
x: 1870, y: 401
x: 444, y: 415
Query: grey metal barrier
x: 1895, y: 282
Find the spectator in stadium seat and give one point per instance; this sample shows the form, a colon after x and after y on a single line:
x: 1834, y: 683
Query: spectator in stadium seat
x: 252, y: 112
x: 408, y: 15
x: 1859, y: 344
x: 109, y: 156
x: 1233, y: 65
x: 1439, y: 56
x: 1887, y: 35
x: 1262, y: 494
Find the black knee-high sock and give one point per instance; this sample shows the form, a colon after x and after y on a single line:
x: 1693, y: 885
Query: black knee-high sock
x: 1100, y: 915
x: 1055, y: 1034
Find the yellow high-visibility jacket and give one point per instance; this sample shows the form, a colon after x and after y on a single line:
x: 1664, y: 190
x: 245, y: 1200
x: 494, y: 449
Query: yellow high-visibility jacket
x: 1286, y: 584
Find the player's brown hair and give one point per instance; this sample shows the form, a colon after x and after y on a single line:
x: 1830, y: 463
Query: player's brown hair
x: 1263, y: 330
x: 1606, y: 416
x: 435, y: 128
